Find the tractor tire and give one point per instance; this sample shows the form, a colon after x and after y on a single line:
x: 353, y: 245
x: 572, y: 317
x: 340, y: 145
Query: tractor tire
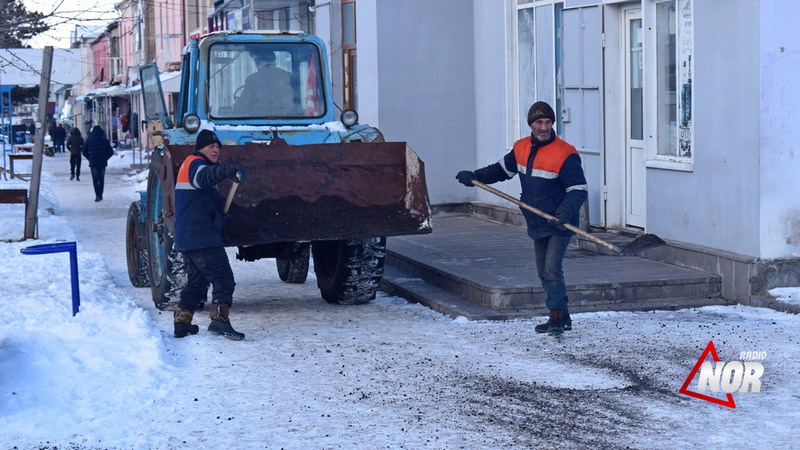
x: 294, y: 268
x: 136, y: 247
x: 349, y: 272
x: 167, y: 271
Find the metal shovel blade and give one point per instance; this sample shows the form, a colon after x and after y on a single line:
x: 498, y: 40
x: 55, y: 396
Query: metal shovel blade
x: 642, y: 243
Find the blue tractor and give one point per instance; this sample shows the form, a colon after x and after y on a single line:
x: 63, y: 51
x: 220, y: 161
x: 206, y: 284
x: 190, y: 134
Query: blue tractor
x: 317, y: 187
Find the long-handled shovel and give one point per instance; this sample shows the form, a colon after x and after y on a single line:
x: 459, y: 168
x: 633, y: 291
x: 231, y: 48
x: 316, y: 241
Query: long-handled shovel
x: 641, y: 243
x: 231, y: 193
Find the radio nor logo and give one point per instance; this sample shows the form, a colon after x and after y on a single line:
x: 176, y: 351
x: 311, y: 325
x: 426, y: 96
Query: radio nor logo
x: 727, y: 377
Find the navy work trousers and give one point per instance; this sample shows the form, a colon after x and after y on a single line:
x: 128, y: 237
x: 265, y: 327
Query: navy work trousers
x: 203, y: 267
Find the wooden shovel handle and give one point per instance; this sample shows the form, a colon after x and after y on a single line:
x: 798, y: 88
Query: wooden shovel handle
x: 541, y: 213
x: 231, y: 193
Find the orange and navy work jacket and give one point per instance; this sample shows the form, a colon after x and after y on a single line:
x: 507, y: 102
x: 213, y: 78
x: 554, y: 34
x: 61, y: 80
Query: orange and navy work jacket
x: 198, y: 204
x: 551, y: 178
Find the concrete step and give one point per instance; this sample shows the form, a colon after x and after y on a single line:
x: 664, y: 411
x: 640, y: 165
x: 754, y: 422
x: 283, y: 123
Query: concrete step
x: 490, y: 266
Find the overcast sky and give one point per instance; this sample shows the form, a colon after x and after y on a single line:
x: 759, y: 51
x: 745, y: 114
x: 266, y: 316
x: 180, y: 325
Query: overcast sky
x: 65, y: 15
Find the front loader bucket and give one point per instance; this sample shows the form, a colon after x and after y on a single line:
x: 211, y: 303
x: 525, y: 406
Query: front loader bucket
x: 322, y: 191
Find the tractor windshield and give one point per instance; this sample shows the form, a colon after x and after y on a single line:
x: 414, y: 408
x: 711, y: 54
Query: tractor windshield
x: 265, y: 81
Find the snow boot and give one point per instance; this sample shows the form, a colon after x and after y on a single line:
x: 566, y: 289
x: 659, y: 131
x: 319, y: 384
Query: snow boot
x: 220, y: 324
x: 554, y: 325
x: 566, y: 324
x: 183, y: 323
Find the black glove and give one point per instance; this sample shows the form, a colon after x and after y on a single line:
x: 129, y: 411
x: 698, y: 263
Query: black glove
x: 234, y: 172
x: 241, y: 176
x: 466, y: 177
x: 557, y: 222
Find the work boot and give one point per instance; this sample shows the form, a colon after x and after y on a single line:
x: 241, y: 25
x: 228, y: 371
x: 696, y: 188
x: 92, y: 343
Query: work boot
x: 72, y: 177
x: 220, y: 324
x: 554, y: 325
x: 566, y: 323
x: 77, y: 177
x: 183, y: 323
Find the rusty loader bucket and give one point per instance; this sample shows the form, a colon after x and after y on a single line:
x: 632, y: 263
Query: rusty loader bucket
x: 320, y: 191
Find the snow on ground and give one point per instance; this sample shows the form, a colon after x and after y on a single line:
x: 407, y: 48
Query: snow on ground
x: 389, y: 374
x: 790, y: 295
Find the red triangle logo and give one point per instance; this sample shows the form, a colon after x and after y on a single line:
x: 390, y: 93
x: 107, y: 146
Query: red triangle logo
x: 713, y: 351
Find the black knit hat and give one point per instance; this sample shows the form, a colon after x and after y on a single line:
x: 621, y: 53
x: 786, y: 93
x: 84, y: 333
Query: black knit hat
x: 540, y: 110
x: 206, y: 137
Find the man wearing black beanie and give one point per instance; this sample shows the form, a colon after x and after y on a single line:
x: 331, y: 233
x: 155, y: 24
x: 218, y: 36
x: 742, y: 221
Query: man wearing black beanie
x: 552, y: 181
x: 198, y: 235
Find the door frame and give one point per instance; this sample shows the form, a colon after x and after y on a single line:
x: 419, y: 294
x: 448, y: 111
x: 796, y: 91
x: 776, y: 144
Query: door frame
x: 635, y: 185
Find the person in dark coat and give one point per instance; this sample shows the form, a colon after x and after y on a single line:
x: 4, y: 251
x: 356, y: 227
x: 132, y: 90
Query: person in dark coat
x: 553, y: 181
x: 97, y: 150
x: 51, y: 131
x: 75, y: 145
x: 58, y: 135
x: 198, y: 236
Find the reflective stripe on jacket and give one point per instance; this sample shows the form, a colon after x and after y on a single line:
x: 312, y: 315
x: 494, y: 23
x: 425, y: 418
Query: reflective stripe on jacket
x: 552, y: 180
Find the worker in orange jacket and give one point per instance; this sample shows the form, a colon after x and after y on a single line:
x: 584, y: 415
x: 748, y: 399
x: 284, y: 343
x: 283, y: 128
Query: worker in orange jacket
x: 198, y: 235
x: 552, y: 181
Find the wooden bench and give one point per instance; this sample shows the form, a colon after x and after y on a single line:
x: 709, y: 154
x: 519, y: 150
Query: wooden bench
x: 18, y: 157
x: 14, y: 196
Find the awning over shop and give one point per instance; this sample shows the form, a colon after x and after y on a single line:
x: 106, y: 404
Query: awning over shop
x: 170, y: 82
x: 110, y: 91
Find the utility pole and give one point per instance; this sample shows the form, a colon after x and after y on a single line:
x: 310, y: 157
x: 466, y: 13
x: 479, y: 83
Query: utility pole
x: 31, y: 217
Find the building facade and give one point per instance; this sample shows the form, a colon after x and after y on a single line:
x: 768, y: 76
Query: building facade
x: 682, y: 110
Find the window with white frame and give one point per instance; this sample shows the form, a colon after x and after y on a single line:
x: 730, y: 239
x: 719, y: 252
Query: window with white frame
x: 673, y: 80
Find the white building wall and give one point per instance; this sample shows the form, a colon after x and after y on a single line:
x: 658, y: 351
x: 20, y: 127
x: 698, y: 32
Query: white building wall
x: 426, y: 93
x: 717, y: 203
x: 779, y: 173
x: 447, y: 88
x: 495, y: 129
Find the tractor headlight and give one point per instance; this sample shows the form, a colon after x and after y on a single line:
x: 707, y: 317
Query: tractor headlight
x: 191, y: 122
x: 349, y: 117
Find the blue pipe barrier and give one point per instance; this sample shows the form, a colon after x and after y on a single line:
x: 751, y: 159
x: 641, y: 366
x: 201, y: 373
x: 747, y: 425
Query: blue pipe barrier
x: 73, y: 265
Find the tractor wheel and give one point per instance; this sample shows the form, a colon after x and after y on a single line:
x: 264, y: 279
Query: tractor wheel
x: 294, y: 267
x: 167, y: 272
x: 136, y: 247
x: 349, y: 272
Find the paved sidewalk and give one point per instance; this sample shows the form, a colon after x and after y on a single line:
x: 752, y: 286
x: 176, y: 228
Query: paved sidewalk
x: 482, y: 269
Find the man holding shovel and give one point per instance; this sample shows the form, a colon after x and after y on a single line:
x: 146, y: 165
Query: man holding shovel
x: 198, y: 235
x: 552, y: 181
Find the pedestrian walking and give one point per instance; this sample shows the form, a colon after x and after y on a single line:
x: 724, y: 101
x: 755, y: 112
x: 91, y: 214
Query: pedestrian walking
x: 98, y: 150
x: 58, y: 136
x: 75, y: 145
x: 198, y: 235
x: 553, y: 181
